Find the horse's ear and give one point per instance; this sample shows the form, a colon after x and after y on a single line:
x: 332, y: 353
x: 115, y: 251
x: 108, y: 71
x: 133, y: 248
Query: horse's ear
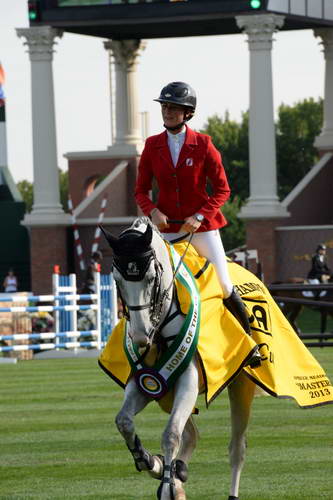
x: 112, y: 240
x: 147, y: 236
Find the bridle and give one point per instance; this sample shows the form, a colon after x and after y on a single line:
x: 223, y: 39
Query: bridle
x: 155, y: 305
x: 142, y: 262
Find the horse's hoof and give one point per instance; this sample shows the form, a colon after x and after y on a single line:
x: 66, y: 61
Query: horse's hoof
x: 233, y: 498
x: 180, y: 495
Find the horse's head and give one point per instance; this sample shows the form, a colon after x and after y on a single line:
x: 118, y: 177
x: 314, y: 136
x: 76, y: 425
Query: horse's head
x: 141, y: 269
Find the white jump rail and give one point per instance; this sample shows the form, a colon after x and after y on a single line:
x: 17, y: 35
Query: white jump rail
x: 62, y: 294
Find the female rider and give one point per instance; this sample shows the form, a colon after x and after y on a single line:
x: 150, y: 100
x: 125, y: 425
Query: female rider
x: 181, y: 160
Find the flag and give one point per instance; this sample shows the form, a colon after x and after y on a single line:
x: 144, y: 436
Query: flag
x: 2, y: 81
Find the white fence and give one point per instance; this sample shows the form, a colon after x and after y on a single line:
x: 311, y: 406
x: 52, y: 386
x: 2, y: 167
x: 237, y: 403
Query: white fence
x: 99, y: 310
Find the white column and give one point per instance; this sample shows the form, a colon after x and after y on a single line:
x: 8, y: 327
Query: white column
x: 112, y: 86
x: 46, y: 209
x: 325, y: 140
x: 127, y: 135
x: 263, y: 201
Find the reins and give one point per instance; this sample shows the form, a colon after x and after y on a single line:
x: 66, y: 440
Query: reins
x: 182, y: 256
x: 178, y: 240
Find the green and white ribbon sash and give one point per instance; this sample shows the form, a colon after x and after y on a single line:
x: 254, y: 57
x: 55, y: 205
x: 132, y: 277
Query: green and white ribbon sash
x: 156, y: 380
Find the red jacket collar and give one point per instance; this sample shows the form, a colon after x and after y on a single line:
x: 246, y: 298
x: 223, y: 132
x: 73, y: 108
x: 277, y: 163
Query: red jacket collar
x: 190, y: 138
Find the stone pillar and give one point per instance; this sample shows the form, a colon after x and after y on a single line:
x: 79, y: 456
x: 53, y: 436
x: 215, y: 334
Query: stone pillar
x: 47, y: 221
x: 46, y: 208
x: 127, y: 136
x: 263, y: 200
x: 263, y: 211
x: 324, y: 142
x: 112, y: 87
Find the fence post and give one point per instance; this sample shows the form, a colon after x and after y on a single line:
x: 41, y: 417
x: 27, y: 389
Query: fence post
x: 98, y: 311
x: 73, y: 315
x: 55, y: 287
x: 114, y: 302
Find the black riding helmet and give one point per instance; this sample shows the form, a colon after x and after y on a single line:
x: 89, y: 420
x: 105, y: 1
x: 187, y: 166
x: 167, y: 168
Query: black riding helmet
x: 182, y: 94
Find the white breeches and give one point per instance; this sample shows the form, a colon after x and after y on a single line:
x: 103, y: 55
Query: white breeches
x: 209, y: 245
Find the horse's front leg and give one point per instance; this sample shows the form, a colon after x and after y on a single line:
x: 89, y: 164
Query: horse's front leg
x: 134, y: 402
x: 241, y: 393
x: 186, y: 393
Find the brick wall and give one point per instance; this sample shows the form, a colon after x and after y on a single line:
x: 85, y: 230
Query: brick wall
x: 48, y: 248
x: 260, y: 235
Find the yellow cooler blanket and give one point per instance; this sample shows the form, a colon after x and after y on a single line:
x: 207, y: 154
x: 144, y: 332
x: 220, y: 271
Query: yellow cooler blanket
x: 288, y: 369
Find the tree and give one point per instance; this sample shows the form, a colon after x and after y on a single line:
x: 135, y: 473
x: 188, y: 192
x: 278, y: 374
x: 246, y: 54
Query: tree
x: 26, y: 189
x: 231, y: 139
x: 64, y: 189
x: 296, y: 130
x: 233, y: 235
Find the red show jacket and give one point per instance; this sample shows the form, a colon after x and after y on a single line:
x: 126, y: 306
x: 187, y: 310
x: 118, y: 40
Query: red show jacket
x: 182, y: 189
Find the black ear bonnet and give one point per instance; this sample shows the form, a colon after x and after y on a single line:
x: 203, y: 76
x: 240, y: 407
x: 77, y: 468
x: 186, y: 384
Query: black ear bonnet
x: 132, y: 252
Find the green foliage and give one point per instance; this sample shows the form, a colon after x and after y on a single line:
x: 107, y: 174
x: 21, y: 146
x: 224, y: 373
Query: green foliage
x: 63, y: 186
x: 26, y: 189
x: 231, y: 139
x: 296, y: 130
x: 233, y: 235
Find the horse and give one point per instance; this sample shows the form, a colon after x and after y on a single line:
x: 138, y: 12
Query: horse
x: 145, y: 280
x: 292, y: 310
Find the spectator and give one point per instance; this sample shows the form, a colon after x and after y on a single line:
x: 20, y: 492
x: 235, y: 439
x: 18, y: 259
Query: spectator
x: 10, y: 283
x: 319, y: 270
x: 89, y: 285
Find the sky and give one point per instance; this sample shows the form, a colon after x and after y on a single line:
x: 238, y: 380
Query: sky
x: 217, y: 67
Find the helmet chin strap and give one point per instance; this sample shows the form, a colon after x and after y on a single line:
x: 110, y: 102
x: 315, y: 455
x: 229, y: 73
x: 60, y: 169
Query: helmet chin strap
x: 176, y: 127
x: 187, y: 117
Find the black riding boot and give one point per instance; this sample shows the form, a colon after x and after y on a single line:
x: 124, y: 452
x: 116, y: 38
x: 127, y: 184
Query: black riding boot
x: 235, y: 305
